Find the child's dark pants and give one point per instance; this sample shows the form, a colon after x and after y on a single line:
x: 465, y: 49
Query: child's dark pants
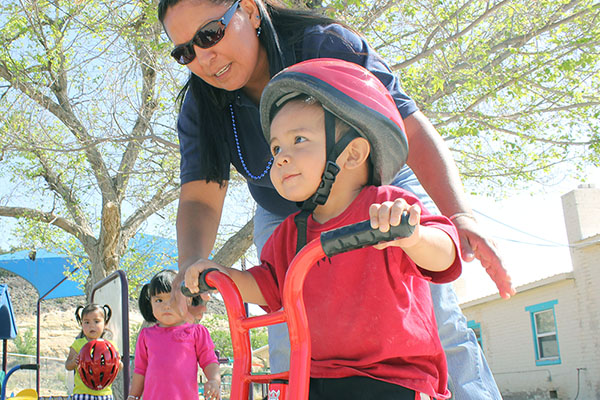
x: 357, y: 388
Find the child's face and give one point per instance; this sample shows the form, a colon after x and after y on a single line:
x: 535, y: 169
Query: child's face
x: 92, y: 324
x: 163, y: 312
x: 298, y: 148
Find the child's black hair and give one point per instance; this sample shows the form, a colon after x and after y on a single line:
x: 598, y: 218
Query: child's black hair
x: 160, y: 283
x: 82, y: 311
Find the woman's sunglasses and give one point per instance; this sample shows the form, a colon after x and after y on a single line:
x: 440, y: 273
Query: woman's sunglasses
x: 205, y: 37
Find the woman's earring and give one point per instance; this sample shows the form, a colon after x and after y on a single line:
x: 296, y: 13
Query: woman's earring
x: 258, y: 31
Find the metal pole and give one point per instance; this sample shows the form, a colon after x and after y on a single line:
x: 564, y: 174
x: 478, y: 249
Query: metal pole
x: 38, y: 324
x: 4, y: 355
x: 243, y: 265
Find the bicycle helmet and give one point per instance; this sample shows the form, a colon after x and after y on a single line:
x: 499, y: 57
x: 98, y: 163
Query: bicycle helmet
x: 98, y: 364
x: 354, y: 95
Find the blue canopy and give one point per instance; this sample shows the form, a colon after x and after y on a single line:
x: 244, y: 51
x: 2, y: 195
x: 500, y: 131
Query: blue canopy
x: 8, y: 326
x: 49, y: 267
x: 45, y: 272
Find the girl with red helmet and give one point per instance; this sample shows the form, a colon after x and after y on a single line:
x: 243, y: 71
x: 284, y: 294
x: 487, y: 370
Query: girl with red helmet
x: 167, y: 354
x: 96, y: 384
x: 336, y: 138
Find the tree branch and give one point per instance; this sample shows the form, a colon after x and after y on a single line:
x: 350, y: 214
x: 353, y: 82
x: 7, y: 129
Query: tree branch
x: 236, y: 246
x: 57, y: 186
x: 64, y: 113
x: 449, y: 39
x: 520, y: 40
x: 158, y: 202
x: 49, y: 218
x: 149, y: 103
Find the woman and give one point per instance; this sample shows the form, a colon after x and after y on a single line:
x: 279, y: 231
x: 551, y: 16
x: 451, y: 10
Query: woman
x: 232, y: 50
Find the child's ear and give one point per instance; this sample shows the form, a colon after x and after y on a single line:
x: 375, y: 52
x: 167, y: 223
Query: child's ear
x: 356, y: 153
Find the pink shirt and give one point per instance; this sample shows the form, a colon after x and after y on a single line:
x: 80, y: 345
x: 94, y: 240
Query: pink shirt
x: 168, y: 358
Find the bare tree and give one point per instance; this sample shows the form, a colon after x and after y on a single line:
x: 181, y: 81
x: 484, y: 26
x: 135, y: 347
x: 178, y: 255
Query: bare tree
x: 88, y: 115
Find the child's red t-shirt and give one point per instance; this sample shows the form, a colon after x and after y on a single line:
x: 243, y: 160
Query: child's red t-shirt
x: 370, y: 311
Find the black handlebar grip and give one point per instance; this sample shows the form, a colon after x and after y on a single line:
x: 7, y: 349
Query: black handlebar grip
x: 359, y: 235
x: 204, y: 287
x: 29, y: 366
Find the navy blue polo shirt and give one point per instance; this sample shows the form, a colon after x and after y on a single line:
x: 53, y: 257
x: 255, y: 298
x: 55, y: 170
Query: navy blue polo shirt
x: 248, y: 150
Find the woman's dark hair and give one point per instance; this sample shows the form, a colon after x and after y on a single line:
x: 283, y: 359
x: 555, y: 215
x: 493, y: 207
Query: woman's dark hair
x: 212, y: 102
x: 160, y: 283
x: 82, y: 311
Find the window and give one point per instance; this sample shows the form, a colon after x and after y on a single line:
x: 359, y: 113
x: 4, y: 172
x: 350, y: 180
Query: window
x: 476, y: 326
x: 545, y: 335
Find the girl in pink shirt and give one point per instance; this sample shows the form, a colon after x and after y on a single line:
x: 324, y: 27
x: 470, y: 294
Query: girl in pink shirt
x: 168, y: 353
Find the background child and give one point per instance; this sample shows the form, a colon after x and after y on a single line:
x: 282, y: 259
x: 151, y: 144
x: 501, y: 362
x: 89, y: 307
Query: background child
x: 334, y: 130
x: 92, y: 319
x: 167, y: 354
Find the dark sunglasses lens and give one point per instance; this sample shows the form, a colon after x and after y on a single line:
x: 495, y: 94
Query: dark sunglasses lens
x: 183, y: 54
x: 209, y: 35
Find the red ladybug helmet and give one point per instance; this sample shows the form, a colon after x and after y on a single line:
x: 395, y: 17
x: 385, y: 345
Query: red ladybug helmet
x: 98, y: 364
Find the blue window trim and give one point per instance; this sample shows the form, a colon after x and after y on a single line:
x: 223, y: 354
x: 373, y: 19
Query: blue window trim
x: 548, y: 305
x: 476, y: 325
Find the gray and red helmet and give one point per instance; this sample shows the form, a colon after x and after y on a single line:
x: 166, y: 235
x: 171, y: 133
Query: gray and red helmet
x: 352, y: 94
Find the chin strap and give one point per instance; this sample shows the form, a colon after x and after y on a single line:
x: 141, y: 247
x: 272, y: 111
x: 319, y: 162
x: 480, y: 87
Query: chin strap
x: 320, y: 197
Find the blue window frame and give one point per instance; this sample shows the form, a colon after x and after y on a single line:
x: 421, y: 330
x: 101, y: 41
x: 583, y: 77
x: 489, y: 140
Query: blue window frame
x: 476, y: 326
x: 545, y: 333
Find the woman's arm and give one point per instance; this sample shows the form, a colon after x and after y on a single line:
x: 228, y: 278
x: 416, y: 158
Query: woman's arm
x: 430, y: 159
x: 198, y: 218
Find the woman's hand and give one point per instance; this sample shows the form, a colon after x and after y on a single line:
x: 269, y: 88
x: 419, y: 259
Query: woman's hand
x: 475, y: 244
x: 183, y: 304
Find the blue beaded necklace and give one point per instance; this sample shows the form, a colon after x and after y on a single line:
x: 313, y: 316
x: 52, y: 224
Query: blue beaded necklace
x: 237, y: 144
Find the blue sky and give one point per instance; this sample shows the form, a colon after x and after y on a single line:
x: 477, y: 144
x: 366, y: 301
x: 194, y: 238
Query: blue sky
x: 530, y: 231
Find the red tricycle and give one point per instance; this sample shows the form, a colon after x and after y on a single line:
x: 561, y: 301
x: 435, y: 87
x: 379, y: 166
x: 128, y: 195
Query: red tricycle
x: 292, y: 384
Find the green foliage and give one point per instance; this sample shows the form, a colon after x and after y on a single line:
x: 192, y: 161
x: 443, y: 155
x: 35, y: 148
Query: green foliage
x: 134, y: 331
x: 26, y: 342
x: 218, y: 327
x: 259, y: 337
x: 513, y: 86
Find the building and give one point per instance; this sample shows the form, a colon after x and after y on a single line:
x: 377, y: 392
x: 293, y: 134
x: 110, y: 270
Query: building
x: 544, y: 342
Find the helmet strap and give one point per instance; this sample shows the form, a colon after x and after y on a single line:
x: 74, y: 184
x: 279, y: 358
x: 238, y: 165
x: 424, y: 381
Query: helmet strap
x: 320, y: 197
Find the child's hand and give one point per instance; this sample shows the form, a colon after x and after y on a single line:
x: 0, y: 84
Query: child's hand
x: 389, y: 214
x: 212, y: 389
